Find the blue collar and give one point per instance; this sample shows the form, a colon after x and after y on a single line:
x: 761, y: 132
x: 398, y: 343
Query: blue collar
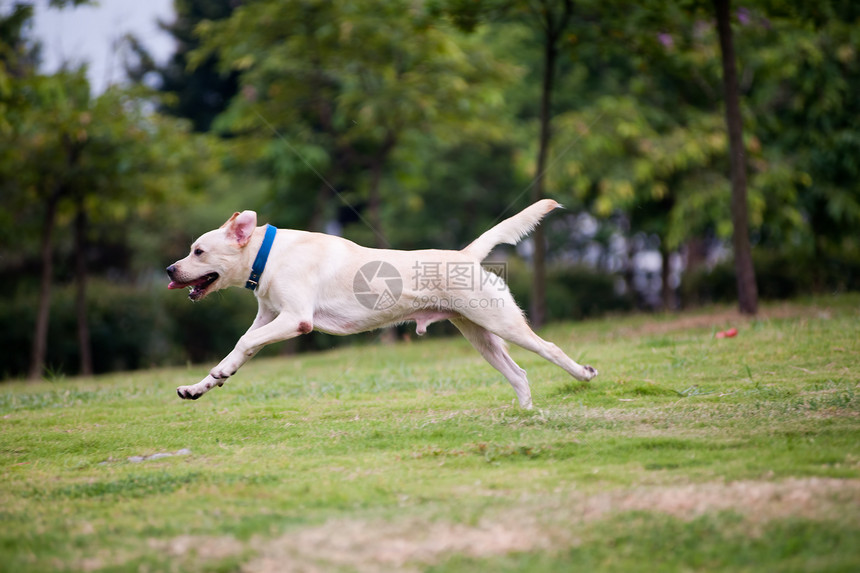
x: 262, y: 257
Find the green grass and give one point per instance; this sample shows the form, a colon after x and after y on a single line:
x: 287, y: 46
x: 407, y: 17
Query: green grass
x: 686, y: 453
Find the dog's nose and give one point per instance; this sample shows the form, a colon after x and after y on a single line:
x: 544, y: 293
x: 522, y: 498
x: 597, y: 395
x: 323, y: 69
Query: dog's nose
x: 170, y: 270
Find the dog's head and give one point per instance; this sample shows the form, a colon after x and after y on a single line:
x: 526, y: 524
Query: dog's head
x: 217, y: 259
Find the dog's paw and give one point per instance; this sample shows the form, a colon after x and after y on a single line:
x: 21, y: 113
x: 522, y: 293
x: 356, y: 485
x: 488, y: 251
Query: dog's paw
x: 590, y: 372
x: 195, y: 391
x: 188, y: 393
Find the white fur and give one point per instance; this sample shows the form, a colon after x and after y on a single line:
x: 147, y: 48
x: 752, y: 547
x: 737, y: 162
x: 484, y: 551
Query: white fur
x: 309, y: 284
x: 512, y: 230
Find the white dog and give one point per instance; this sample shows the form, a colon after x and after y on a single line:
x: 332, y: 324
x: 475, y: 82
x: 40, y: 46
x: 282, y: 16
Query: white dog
x: 320, y: 282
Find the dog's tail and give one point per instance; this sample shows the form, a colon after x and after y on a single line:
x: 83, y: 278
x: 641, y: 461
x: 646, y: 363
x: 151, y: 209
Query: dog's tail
x: 510, y: 230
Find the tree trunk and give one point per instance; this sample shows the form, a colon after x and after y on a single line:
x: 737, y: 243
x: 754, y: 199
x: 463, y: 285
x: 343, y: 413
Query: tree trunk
x: 81, y: 290
x: 537, y: 310
x: 667, y: 297
x: 318, y: 216
x: 374, y: 204
x: 43, y: 311
x: 747, y: 292
x: 630, y: 272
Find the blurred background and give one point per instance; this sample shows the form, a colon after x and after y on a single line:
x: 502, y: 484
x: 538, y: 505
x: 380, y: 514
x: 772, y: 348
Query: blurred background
x: 128, y: 129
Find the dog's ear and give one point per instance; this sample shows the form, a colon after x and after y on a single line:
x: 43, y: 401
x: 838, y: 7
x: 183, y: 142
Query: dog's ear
x: 240, y: 227
x: 230, y: 220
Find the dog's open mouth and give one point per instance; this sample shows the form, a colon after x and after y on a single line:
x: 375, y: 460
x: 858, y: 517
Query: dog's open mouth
x: 198, y: 286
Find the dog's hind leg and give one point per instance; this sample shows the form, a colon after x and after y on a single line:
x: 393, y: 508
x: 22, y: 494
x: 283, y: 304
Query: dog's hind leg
x: 508, y: 322
x: 494, y: 351
x: 525, y: 337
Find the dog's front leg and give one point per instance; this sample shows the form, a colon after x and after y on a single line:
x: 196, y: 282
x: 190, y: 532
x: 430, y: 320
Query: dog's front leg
x: 282, y: 328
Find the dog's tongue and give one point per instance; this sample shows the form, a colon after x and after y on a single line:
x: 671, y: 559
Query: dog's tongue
x: 174, y: 284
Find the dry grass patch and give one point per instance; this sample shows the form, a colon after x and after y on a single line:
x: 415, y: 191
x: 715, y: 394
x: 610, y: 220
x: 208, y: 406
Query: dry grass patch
x: 539, y: 524
x: 721, y: 317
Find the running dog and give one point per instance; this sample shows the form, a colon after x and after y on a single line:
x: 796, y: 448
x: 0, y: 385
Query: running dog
x: 311, y: 281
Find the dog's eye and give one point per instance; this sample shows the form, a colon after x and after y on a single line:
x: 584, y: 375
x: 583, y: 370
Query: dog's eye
x: 198, y: 252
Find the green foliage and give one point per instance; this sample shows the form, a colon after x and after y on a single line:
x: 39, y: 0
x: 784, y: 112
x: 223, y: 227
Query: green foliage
x: 123, y: 161
x: 807, y: 114
x: 343, y: 86
x: 197, y: 94
x: 478, y: 177
x: 104, y: 160
x: 415, y: 125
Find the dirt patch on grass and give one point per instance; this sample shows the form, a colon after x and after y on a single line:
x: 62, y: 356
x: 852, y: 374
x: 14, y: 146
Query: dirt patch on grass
x: 537, y: 524
x: 198, y: 546
x: 389, y: 546
x: 810, y: 498
x: 721, y: 318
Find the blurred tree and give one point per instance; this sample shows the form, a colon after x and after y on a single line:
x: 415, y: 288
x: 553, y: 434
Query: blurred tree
x: 798, y: 64
x: 451, y: 193
x: 635, y: 134
x: 651, y: 164
x: 87, y: 158
x: 19, y: 57
x: 660, y: 153
x: 551, y: 20
x: 389, y: 108
x: 747, y: 293
x: 343, y: 86
x: 805, y: 62
x: 199, y: 93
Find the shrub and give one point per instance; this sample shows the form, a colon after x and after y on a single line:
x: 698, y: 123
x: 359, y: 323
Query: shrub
x: 134, y: 327
x: 572, y: 293
x: 130, y: 328
x: 779, y: 276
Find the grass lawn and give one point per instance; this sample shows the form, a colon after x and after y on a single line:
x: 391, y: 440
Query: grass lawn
x: 687, y: 453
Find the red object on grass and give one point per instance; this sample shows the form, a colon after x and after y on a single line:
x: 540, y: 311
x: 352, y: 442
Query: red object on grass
x: 730, y: 333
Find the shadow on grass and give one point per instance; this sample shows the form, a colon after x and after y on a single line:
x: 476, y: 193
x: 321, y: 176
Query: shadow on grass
x: 572, y: 387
